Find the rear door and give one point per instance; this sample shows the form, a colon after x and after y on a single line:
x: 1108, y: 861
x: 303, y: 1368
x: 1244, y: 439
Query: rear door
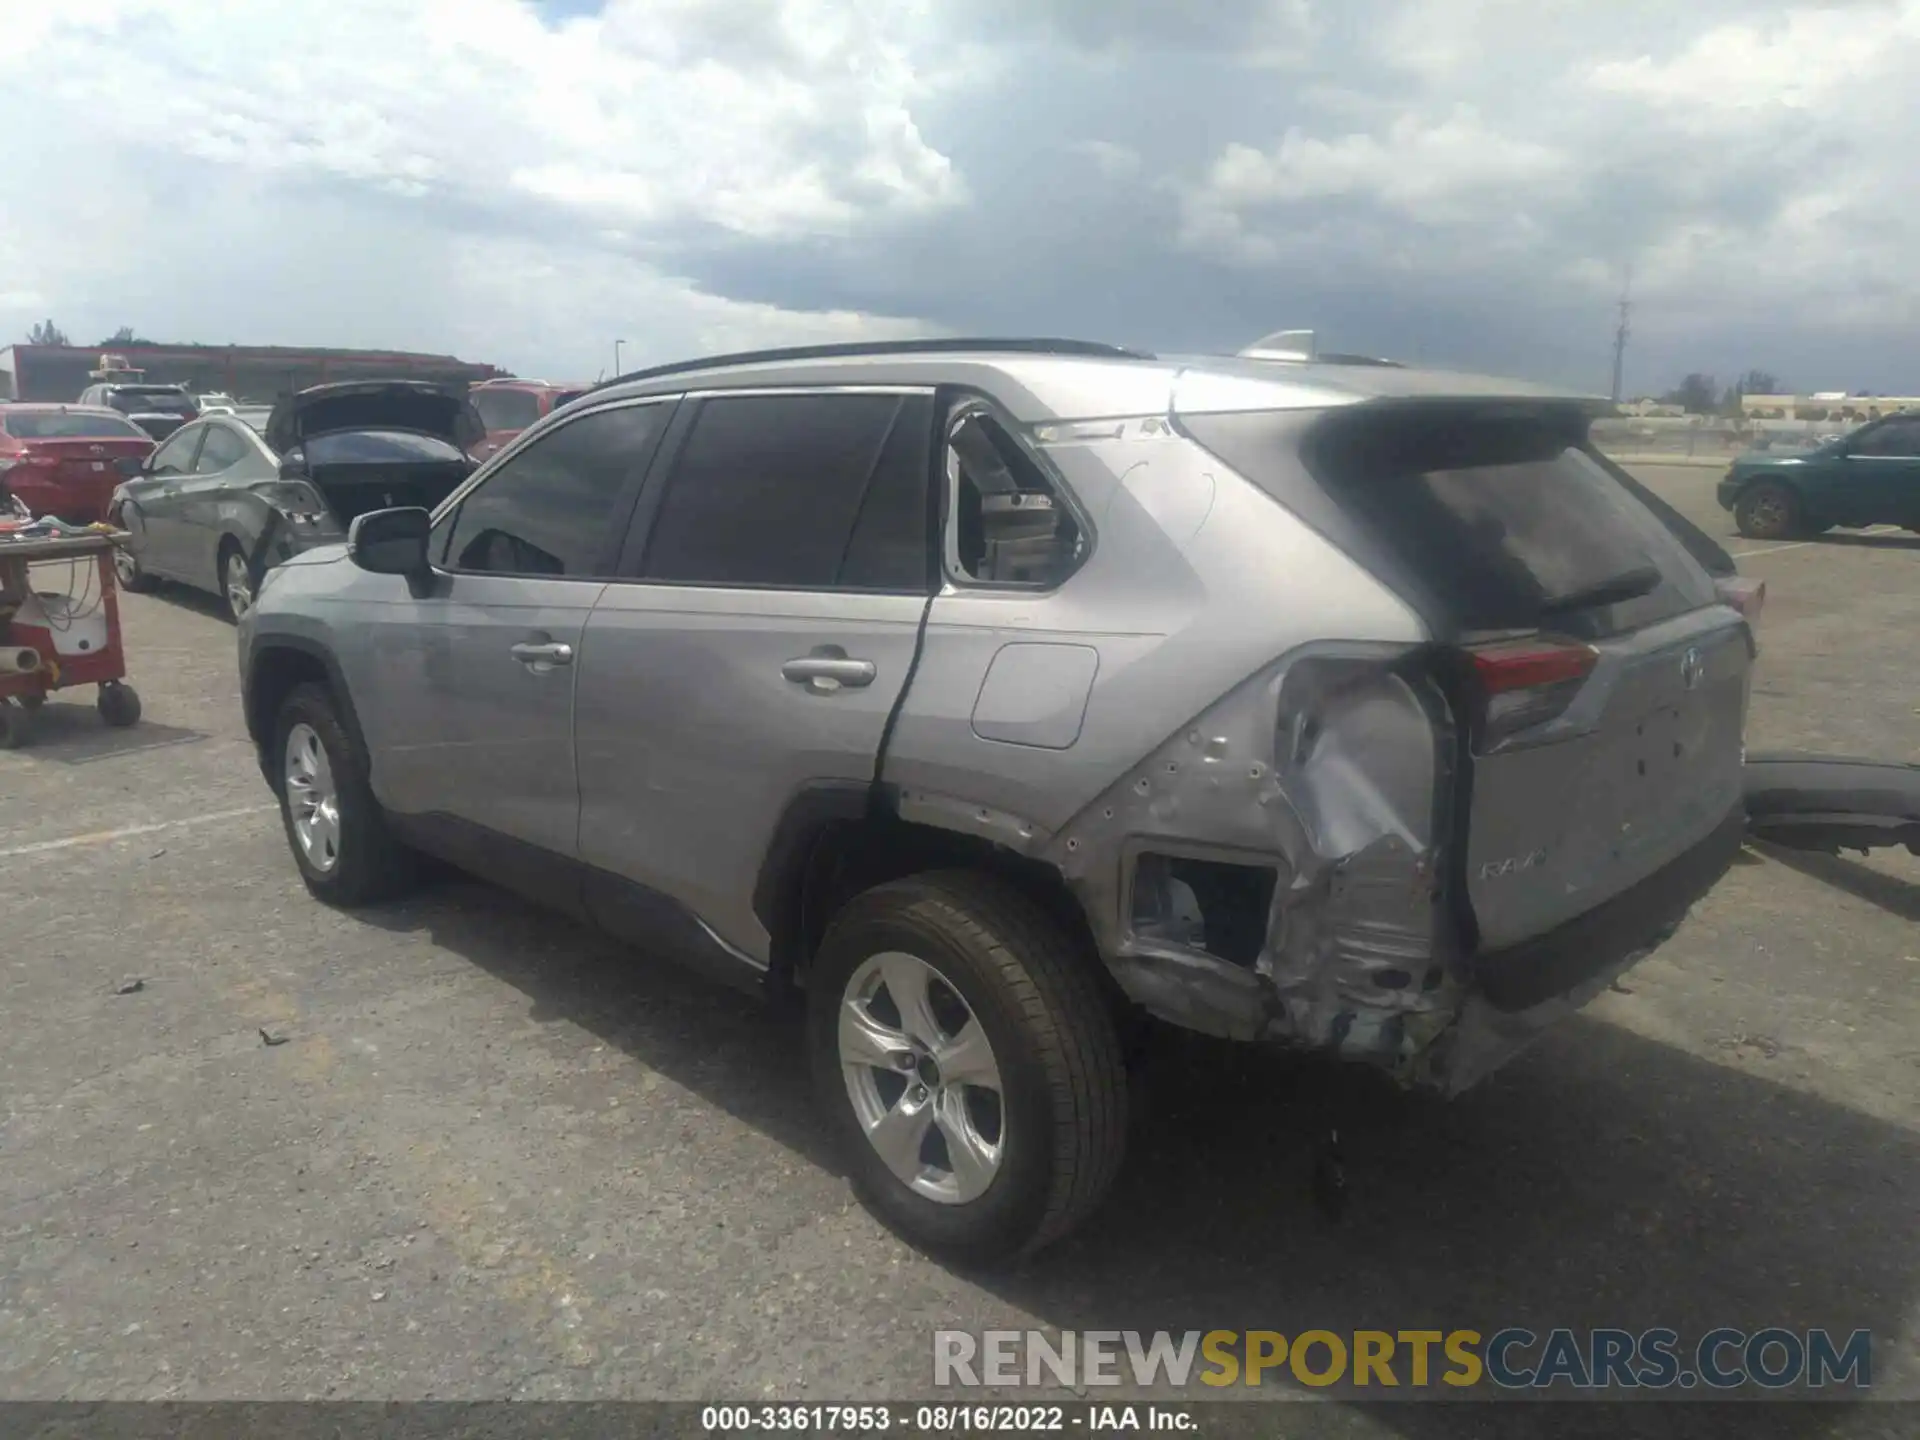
x: 1606, y: 684
x: 759, y: 639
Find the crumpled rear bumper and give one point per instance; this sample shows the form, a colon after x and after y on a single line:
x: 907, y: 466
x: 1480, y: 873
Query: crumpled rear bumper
x: 1830, y: 803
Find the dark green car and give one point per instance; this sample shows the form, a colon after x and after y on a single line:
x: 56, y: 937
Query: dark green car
x: 1870, y: 477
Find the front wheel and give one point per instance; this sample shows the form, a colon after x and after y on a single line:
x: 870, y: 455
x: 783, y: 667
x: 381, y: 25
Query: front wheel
x: 968, y: 1062
x: 1768, y: 511
x: 127, y: 570
x: 119, y: 704
x: 338, y: 834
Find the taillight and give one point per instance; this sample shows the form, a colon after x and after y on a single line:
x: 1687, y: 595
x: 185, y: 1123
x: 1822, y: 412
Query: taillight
x: 1524, y: 683
x: 1749, y: 597
x: 29, y: 460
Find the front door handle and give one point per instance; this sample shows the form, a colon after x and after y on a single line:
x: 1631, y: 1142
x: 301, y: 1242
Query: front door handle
x: 542, y: 657
x: 829, y: 669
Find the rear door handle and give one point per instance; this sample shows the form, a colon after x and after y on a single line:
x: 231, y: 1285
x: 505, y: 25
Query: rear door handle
x: 542, y: 656
x: 824, y: 674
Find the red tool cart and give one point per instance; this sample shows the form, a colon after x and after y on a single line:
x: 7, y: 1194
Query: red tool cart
x: 59, y: 627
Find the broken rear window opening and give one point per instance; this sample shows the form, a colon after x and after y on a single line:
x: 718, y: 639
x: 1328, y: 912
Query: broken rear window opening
x: 1499, y: 518
x: 1011, y: 525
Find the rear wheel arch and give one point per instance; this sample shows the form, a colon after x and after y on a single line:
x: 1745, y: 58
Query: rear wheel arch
x: 833, y: 844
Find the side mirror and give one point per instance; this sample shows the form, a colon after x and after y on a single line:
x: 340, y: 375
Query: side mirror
x: 391, y: 542
x: 293, y: 465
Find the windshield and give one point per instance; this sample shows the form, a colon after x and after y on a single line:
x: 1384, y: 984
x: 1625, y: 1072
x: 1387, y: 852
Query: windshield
x: 68, y: 425
x: 150, y: 399
x: 506, y: 409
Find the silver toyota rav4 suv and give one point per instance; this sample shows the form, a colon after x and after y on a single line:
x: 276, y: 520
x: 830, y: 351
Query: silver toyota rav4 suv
x: 992, y: 695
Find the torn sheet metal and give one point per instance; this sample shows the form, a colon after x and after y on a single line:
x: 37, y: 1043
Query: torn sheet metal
x: 1343, y: 799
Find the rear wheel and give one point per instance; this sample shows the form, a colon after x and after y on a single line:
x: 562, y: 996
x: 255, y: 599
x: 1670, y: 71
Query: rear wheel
x: 335, y: 828
x: 1768, y: 511
x: 236, y: 587
x: 968, y: 1062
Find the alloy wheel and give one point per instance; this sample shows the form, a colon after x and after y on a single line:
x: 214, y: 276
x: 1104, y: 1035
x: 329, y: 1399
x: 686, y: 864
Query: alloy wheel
x: 239, y: 592
x: 313, y: 800
x: 922, y: 1077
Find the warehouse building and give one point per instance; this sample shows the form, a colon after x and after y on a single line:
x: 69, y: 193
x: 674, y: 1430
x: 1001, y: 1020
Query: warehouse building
x: 257, y: 373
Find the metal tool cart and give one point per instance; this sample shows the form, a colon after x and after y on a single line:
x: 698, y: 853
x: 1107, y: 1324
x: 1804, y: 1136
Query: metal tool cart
x: 59, y: 627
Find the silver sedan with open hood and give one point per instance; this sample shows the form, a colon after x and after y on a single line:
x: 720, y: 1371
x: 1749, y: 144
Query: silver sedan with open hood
x: 221, y: 501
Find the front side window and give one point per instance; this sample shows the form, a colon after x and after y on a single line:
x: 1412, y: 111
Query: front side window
x: 817, y: 491
x: 176, y: 456
x: 549, y: 510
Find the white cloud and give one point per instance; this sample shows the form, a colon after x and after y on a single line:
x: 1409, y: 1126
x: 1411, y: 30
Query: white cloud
x: 1743, y: 167
x: 767, y: 119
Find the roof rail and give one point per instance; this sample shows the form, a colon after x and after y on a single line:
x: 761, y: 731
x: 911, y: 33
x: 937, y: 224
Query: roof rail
x: 1084, y: 349
x: 1301, y: 346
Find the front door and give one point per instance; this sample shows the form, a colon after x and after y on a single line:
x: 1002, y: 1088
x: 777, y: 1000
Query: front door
x: 778, y: 573
x: 473, y: 678
x: 226, y: 460
x: 158, y: 500
x: 1882, y: 477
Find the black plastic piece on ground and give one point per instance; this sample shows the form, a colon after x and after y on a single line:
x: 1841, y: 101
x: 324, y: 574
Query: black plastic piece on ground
x: 1829, y: 803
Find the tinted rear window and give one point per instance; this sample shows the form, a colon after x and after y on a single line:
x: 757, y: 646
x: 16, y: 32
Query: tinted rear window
x: 68, y: 425
x: 154, y: 400
x: 1493, y: 520
x: 379, y: 447
x: 506, y: 409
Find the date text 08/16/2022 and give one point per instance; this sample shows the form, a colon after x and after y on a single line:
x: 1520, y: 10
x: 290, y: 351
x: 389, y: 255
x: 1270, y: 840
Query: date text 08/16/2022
x: 946, y: 1419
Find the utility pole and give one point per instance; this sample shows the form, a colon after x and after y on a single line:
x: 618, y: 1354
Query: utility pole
x: 616, y: 355
x: 1620, y: 333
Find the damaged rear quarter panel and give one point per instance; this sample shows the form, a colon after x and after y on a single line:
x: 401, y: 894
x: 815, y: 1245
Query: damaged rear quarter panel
x: 1193, y: 600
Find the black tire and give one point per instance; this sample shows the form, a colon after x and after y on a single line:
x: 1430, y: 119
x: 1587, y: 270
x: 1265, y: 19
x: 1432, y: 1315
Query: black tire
x: 1032, y: 988
x: 130, y: 574
x: 119, y: 704
x: 370, y: 864
x: 1769, y: 511
x: 16, y: 725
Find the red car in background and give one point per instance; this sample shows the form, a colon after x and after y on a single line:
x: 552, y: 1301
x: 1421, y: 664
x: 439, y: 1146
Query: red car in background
x: 65, y: 460
x: 510, y: 406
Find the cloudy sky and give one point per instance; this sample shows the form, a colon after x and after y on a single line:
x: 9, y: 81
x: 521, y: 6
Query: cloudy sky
x: 1453, y: 181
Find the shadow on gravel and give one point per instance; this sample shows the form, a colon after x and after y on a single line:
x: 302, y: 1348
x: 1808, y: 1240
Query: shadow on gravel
x: 1602, y: 1179
x: 68, y: 730
x: 1892, y: 893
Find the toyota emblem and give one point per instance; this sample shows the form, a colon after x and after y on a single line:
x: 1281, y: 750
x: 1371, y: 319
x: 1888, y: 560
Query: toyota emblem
x: 1691, y: 668
x: 96, y: 449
